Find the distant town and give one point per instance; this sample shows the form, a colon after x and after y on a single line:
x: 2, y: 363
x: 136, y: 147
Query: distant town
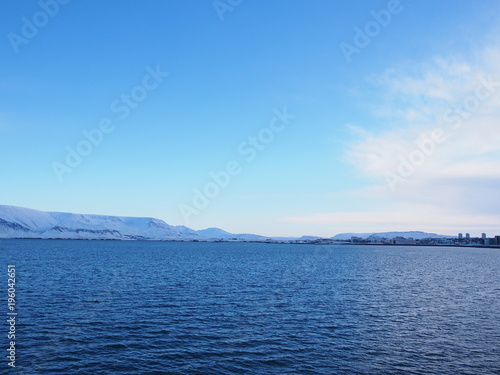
x: 26, y: 223
x: 460, y: 240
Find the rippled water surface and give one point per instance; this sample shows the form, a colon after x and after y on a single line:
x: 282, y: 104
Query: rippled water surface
x: 103, y: 307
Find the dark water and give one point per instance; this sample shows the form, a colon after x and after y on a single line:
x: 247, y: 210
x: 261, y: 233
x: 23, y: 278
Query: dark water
x: 90, y: 307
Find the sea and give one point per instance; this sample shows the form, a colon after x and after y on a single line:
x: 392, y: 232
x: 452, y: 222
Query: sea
x: 138, y: 307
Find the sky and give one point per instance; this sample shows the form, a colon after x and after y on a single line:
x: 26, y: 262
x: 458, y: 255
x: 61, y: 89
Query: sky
x: 269, y: 117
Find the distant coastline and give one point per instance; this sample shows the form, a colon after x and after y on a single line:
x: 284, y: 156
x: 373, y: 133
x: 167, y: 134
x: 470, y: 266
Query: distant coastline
x: 271, y: 242
x: 26, y: 223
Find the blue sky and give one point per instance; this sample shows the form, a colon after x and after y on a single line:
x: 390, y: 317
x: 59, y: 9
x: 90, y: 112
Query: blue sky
x: 401, y: 134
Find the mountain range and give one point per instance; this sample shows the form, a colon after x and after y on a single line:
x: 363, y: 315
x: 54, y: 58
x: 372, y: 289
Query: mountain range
x: 389, y: 235
x: 18, y: 222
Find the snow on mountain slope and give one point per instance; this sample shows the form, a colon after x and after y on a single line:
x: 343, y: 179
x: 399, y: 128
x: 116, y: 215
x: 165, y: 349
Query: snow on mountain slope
x: 216, y: 234
x: 17, y: 222
x: 187, y: 232
x: 27, y: 218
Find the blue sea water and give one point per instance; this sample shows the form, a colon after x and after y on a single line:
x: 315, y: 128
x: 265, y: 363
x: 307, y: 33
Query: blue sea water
x: 106, y: 307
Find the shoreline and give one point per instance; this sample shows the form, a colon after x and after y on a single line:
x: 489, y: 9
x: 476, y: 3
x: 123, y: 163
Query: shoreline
x: 260, y: 242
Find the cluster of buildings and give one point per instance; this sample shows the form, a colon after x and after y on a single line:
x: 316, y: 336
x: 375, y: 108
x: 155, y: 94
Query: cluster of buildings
x: 483, y: 240
x: 449, y: 241
x: 385, y: 239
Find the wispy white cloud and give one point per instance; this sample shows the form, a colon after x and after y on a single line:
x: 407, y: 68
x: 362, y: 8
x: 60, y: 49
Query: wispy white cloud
x: 431, y: 97
x: 456, y: 184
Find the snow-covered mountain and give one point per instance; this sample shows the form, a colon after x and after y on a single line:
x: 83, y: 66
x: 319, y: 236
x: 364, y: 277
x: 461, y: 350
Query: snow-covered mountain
x: 219, y: 234
x: 389, y: 235
x: 17, y: 222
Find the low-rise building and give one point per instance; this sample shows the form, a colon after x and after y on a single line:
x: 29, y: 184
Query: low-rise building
x: 404, y: 241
